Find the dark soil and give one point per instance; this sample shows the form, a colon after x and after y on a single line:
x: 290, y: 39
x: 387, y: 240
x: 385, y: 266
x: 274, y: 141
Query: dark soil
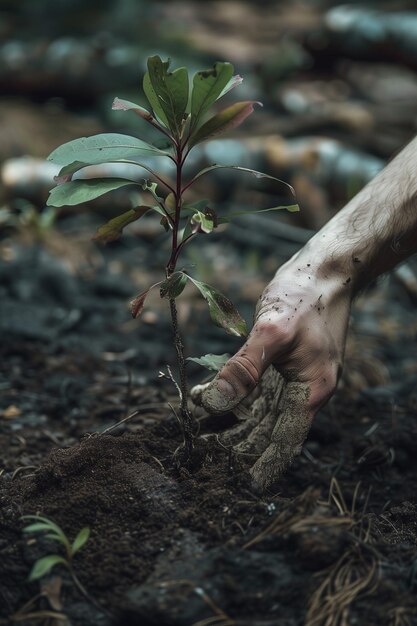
x: 337, y: 536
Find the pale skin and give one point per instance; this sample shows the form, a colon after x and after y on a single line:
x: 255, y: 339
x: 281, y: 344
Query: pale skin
x: 302, y: 316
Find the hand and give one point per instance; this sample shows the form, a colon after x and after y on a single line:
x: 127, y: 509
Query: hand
x: 301, y: 320
x: 300, y: 328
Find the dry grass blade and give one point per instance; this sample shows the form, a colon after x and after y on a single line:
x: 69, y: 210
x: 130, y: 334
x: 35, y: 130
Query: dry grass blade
x: 144, y: 407
x: 215, y: 621
x: 39, y: 615
x: 296, y: 512
x: 402, y: 616
x: 348, y: 578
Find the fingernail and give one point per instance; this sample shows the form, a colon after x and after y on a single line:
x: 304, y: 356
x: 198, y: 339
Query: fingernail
x: 219, y: 396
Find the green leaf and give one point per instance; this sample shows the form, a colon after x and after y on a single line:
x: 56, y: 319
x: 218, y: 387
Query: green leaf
x: 49, y: 525
x: 204, y: 218
x: 222, y: 311
x: 55, y: 537
x: 35, y: 528
x: 291, y: 208
x: 113, y: 229
x: 80, y: 539
x: 44, y: 565
x: 247, y: 170
x: 154, y: 100
x: 188, y: 230
x: 213, y: 362
x: 152, y: 187
x: 79, y: 191
x: 235, y: 81
x: 208, y: 85
x: 229, y: 118
x: 44, y: 519
x: 204, y: 223
x: 166, y: 225
x: 173, y: 286
x: 104, y: 148
x: 171, y: 90
x: 164, y: 142
x: 170, y: 202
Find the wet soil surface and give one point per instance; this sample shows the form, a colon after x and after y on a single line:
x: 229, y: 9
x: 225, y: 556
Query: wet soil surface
x: 333, y: 543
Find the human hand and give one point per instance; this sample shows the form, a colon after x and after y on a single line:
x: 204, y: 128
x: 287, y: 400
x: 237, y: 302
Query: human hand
x: 300, y: 328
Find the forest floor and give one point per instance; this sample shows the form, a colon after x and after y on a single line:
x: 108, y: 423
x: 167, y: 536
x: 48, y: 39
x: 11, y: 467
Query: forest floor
x: 334, y: 540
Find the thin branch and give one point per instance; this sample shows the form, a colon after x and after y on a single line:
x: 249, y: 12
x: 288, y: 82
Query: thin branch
x: 185, y: 156
x: 86, y: 594
x: 145, y: 407
x: 182, y: 244
x: 161, y: 180
x: 170, y: 377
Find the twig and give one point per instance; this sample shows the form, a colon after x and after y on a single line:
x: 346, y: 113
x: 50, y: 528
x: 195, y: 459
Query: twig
x: 144, y: 407
x: 187, y: 420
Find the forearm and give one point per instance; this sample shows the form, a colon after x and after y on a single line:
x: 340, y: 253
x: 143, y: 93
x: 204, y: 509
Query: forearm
x: 374, y: 232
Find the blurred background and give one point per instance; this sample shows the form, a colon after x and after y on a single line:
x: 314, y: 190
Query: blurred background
x: 339, y: 89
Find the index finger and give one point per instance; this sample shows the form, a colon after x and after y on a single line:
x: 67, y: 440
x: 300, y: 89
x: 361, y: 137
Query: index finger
x: 293, y: 422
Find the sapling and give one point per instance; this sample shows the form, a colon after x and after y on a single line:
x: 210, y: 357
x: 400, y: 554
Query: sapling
x: 42, y: 567
x: 52, y: 531
x: 182, y: 116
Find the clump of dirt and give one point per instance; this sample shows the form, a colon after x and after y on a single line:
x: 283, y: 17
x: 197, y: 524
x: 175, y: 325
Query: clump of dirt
x: 136, y: 505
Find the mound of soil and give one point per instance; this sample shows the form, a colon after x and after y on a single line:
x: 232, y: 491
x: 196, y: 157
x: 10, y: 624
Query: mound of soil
x: 173, y: 547
x: 150, y: 524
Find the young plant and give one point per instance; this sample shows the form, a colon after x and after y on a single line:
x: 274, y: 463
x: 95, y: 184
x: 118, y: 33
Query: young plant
x: 52, y: 531
x: 182, y: 115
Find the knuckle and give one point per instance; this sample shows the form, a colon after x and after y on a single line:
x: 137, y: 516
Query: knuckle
x: 243, y: 368
x: 274, y: 332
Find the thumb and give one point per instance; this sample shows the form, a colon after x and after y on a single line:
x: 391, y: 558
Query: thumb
x: 238, y: 377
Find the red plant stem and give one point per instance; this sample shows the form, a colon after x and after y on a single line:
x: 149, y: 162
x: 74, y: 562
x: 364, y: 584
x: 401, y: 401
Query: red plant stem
x: 182, y: 244
x: 178, y: 199
x: 187, y: 421
x: 161, y: 180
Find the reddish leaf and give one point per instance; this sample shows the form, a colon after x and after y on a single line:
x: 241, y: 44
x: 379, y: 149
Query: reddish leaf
x: 137, y: 304
x: 229, y: 118
x: 125, y: 105
x: 65, y: 178
x: 113, y: 229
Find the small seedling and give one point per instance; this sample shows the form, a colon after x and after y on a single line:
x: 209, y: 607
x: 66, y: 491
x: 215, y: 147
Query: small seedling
x: 45, y: 564
x: 52, y: 531
x: 182, y: 115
